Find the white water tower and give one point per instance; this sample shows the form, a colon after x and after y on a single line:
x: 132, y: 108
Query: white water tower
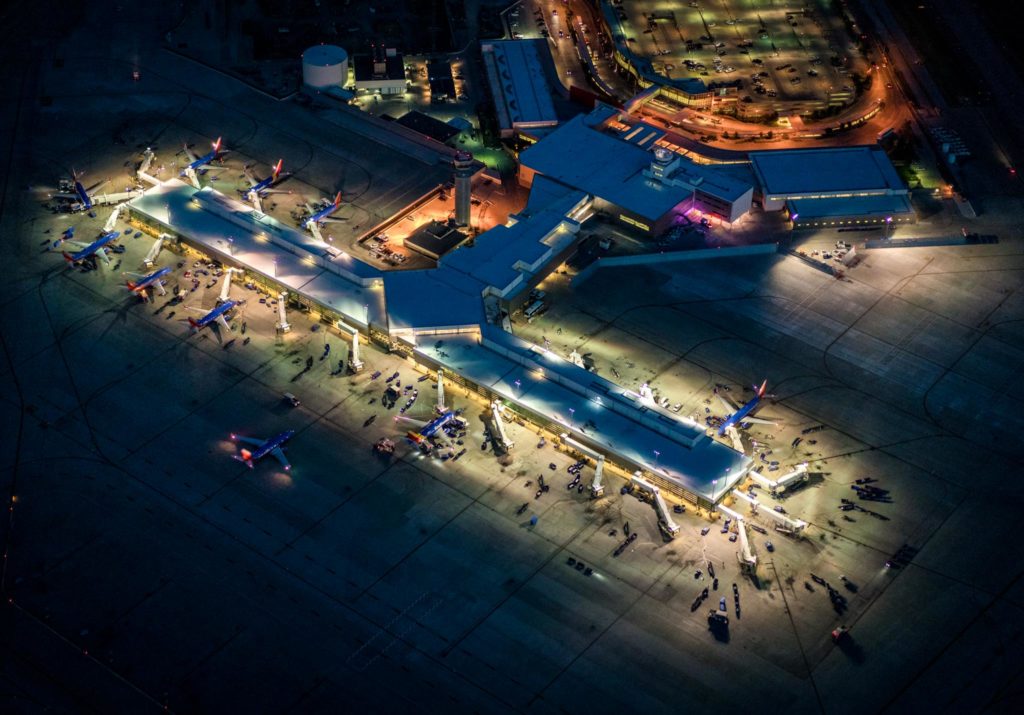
x: 325, y: 66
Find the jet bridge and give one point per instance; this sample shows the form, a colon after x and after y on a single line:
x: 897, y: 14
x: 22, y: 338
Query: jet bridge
x: 787, y: 481
x: 225, y: 288
x: 596, y: 486
x: 746, y: 557
x: 784, y: 523
x: 355, y: 365
x: 440, y: 391
x: 112, y: 221
x: 154, y: 251
x: 499, y: 425
x: 671, y: 527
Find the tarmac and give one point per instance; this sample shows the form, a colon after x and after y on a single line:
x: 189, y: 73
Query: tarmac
x: 145, y: 569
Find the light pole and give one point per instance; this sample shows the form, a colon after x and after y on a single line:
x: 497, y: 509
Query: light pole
x: 572, y: 412
x: 231, y: 245
x: 656, y: 455
x: 888, y: 225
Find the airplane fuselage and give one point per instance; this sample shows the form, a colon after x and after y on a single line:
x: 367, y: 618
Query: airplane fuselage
x: 213, y: 315
x: 736, y: 417
x: 96, y: 245
x: 148, y: 280
x: 83, y: 195
x: 270, y: 445
x: 324, y: 212
x: 431, y: 428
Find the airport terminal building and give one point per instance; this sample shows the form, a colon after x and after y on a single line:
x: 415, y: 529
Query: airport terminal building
x: 832, y: 187
x: 409, y: 311
x: 632, y: 174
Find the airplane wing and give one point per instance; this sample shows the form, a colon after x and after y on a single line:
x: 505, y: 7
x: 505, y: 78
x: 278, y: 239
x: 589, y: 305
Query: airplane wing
x: 759, y: 421
x: 133, y: 275
x: 159, y: 285
x: 223, y: 321
x: 101, y: 253
x: 77, y: 245
x: 257, y: 204
x: 249, y: 440
x: 188, y: 152
x: 729, y: 407
x: 279, y: 455
x: 97, y: 185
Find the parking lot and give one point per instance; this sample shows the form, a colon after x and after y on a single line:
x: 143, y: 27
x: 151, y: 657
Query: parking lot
x: 780, y: 52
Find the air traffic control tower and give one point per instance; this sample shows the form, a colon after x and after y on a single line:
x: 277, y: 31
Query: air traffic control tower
x: 464, y: 170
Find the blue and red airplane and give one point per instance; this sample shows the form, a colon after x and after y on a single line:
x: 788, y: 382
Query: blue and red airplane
x: 94, y: 248
x: 324, y: 213
x: 273, y: 446
x: 196, y: 163
x: 743, y: 414
x: 217, y: 314
x: 145, y: 282
x: 428, y: 430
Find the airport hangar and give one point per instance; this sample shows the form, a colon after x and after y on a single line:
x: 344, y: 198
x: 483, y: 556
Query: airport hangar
x: 833, y: 187
x: 440, y: 318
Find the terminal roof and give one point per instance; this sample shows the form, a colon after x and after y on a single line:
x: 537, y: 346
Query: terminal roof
x: 867, y: 206
x: 592, y: 409
x: 611, y: 167
x: 825, y: 170
x: 515, y: 70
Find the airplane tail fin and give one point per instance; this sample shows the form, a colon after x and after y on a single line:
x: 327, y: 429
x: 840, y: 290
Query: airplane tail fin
x: 67, y: 257
x: 762, y: 389
x: 130, y: 285
x: 246, y: 456
x: 194, y: 323
x: 277, y: 167
x: 337, y: 199
x: 216, y: 144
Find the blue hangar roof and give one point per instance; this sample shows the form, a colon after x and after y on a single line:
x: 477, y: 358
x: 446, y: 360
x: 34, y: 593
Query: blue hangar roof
x: 824, y: 170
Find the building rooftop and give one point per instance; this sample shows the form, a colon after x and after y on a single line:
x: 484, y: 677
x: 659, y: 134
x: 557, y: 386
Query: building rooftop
x: 333, y: 281
x: 428, y: 126
x: 602, y: 413
x: 381, y: 64
x: 611, y: 167
x: 434, y: 239
x: 439, y: 76
x: 520, y: 88
x: 825, y: 170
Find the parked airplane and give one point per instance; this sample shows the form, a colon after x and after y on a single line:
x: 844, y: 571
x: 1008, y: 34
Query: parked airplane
x: 742, y: 414
x: 94, y: 248
x: 318, y: 217
x: 196, y: 163
x: 428, y: 430
x: 217, y: 314
x: 83, y: 199
x: 258, y: 187
x: 263, y: 447
x: 145, y: 282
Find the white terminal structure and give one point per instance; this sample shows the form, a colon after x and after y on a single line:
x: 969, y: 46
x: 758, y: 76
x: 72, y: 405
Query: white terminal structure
x: 671, y: 527
x: 324, y: 67
x: 597, y: 486
x: 784, y: 524
x: 786, y: 482
x: 154, y: 251
x: 496, y: 409
x: 746, y: 557
x: 355, y: 365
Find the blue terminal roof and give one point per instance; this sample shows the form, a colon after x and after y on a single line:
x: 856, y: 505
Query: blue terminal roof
x: 826, y: 170
x: 853, y: 207
x: 612, y: 168
x: 328, y: 278
x: 592, y: 409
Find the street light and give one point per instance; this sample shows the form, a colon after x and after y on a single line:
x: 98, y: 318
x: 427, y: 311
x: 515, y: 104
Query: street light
x: 656, y: 455
x: 572, y: 412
